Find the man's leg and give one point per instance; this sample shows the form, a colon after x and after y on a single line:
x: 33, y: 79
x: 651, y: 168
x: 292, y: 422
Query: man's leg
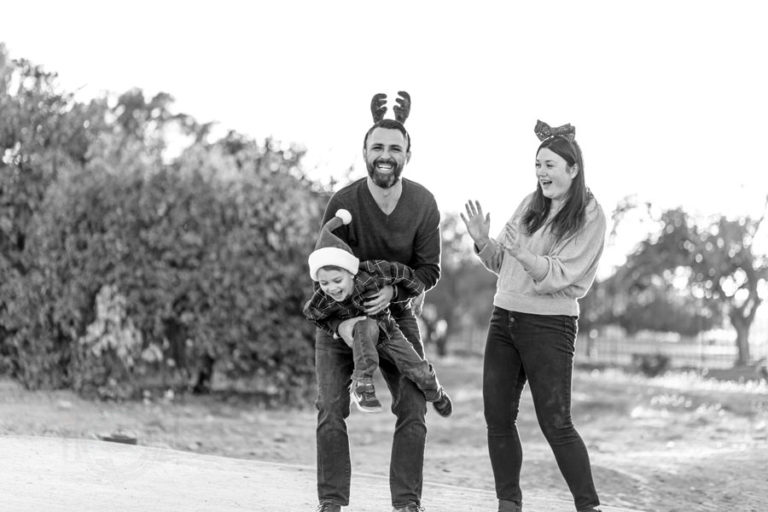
x: 408, y: 404
x: 333, y: 369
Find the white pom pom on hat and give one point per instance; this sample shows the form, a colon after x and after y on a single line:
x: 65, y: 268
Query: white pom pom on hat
x: 330, y: 250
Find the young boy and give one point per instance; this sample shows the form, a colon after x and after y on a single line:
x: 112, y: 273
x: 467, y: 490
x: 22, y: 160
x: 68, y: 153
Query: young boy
x: 344, y: 284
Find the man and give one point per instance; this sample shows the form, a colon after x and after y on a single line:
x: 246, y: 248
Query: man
x: 396, y: 219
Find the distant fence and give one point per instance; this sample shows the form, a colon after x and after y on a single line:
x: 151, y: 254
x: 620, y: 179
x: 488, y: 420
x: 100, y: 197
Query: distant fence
x: 624, y: 351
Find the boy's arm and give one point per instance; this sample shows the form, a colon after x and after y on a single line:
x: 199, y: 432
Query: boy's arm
x: 317, y: 311
x: 401, y: 277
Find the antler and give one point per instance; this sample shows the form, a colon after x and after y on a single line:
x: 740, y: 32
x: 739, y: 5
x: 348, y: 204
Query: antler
x: 378, y: 106
x: 403, y: 108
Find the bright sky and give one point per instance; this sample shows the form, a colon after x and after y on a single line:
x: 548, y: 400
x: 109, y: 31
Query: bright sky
x: 668, y: 97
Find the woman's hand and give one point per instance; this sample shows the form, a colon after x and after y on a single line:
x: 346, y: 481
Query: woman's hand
x: 511, y: 241
x: 477, y: 225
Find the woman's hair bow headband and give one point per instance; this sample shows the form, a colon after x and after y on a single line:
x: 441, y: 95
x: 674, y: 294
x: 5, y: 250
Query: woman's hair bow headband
x: 544, y: 131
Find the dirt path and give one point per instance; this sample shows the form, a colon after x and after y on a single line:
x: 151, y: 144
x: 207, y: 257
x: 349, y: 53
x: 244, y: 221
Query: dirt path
x: 665, y: 445
x: 58, y: 475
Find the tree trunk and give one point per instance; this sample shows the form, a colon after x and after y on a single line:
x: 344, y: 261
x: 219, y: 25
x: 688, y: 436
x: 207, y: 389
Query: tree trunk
x: 742, y: 342
x: 741, y: 319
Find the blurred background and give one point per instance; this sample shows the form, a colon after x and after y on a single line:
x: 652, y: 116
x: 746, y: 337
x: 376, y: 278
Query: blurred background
x: 164, y: 170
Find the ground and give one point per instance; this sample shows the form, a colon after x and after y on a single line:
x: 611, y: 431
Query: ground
x: 671, y: 443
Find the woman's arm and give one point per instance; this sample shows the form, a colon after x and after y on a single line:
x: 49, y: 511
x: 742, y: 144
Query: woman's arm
x: 574, y: 259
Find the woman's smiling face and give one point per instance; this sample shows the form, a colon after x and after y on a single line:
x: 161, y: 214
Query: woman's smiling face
x: 554, y: 174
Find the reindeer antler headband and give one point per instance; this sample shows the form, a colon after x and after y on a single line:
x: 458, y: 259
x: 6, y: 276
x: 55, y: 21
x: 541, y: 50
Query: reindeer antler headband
x: 544, y: 131
x: 402, y: 110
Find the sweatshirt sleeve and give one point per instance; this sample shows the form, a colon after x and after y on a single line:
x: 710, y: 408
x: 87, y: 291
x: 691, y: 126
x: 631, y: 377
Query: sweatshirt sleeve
x: 492, y: 255
x: 573, y: 261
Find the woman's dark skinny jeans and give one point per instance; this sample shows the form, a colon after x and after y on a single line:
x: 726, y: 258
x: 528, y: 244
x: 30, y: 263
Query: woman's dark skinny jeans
x: 539, y: 349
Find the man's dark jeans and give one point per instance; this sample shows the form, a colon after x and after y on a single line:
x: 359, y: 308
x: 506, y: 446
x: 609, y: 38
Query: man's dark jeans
x: 334, y: 365
x: 539, y: 349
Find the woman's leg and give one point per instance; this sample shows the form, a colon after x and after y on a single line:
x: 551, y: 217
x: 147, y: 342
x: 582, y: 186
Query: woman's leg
x: 503, y: 381
x: 546, y: 344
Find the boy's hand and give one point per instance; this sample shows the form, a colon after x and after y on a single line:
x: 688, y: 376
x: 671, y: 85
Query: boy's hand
x: 379, y: 301
x: 346, y: 329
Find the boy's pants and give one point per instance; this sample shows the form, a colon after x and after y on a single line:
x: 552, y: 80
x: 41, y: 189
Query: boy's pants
x: 370, y: 337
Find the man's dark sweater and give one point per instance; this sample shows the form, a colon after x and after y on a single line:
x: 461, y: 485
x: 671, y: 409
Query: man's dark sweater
x: 409, y: 235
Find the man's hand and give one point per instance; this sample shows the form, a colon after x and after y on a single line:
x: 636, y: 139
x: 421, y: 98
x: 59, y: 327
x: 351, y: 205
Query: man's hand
x: 417, y: 304
x: 346, y: 327
x: 380, y: 301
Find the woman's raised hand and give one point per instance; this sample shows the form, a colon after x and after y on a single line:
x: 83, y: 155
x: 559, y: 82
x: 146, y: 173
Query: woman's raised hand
x: 478, y: 225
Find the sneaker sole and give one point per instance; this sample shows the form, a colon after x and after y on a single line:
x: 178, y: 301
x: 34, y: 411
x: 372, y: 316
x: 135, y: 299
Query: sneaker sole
x: 364, y: 408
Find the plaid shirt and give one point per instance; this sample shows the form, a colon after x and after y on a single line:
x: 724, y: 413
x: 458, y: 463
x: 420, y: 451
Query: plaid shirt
x: 327, y: 314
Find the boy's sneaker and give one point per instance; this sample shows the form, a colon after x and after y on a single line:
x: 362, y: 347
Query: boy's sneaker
x: 364, y: 396
x: 443, y: 405
x: 328, y: 507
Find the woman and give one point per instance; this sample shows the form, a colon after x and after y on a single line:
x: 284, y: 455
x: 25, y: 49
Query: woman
x: 545, y: 258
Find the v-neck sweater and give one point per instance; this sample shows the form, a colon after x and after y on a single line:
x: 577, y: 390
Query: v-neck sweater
x: 410, y: 234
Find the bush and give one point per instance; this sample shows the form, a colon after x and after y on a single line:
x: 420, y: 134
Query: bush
x: 145, y: 272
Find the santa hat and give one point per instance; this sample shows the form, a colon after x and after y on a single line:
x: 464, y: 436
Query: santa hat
x: 330, y: 250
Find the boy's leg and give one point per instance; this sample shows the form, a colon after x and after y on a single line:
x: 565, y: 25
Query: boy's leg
x: 366, y: 337
x: 411, y: 364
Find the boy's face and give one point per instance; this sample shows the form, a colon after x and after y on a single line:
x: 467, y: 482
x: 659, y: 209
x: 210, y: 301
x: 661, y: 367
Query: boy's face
x: 336, y: 283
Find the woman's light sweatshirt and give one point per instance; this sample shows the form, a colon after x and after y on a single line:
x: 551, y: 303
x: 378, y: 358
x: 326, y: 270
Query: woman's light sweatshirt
x: 571, y: 265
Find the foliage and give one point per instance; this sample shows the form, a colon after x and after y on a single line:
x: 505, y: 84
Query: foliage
x: 716, y: 271
x: 124, y: 270
x: 464, y: 294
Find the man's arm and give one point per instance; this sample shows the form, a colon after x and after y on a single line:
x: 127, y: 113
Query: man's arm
x: 426, y: 247
x: 394, y: 273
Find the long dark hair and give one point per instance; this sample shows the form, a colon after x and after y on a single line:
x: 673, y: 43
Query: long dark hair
x: 572, y: 215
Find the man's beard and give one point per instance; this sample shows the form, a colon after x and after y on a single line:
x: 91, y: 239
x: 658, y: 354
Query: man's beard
x: 384, y: 180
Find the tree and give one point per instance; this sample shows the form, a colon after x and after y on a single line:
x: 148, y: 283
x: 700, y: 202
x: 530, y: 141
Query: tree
x: 714, y: 261
x: 123, y: 267
x: 464, y: 293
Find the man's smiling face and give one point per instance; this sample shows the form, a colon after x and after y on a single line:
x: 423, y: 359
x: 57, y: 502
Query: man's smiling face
x: 385, y: 156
